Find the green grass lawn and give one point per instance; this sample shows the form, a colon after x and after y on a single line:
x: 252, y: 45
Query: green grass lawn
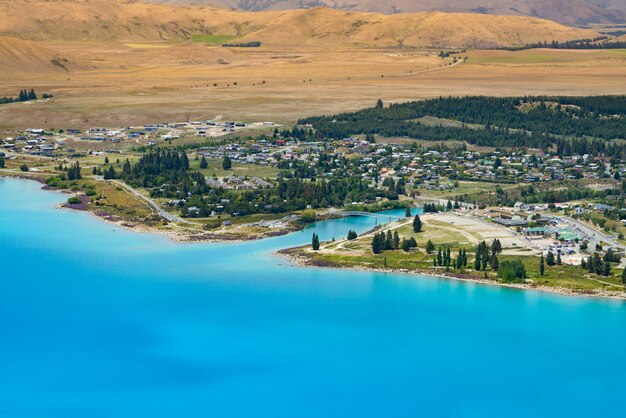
x: 466, y: 188
x: 249, y: 170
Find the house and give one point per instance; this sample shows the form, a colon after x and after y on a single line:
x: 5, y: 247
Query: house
x: 510, y: 222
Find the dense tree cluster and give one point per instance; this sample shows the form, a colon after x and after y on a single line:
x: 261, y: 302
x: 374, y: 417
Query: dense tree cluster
x: 487, y: 256
x: 383, y: 242
x: 432, y: 208
x: 535, y: 122
x: 596, y: 265
x: 166, y: 174
x: 73, y: 173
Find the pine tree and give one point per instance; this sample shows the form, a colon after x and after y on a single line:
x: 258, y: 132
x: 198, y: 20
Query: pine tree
x: 378, y: 243
x: 417, y: 224
x: 407, y: 212
x: 624, y: 277
x: 477, y: 260
x: 495, y: 263
x: 315, y: 242
x: 203, y: 163
x: 227, y: 163
x: 542, y: 265
x: 396, y: 240
x: 109, y: 174
x: 126, y: 169
x: 496, y: 246
x: 430, y: 247
x: 558, y: 259
x: 550, y: 258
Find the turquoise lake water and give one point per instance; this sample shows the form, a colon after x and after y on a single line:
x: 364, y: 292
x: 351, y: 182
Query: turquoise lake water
x: 97, y: 321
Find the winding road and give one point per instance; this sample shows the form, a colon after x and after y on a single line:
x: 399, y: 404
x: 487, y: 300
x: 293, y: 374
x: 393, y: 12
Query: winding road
x: 162, y: 212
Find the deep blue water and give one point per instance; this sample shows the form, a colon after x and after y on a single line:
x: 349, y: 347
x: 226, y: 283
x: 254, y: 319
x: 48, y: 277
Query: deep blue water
x: 96, y: 321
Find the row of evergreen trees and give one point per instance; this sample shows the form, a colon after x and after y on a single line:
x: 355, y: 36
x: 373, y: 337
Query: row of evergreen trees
x: 23, y: 96
x: 487, y: 256
x: 444, y: 259
x: 383, y: 242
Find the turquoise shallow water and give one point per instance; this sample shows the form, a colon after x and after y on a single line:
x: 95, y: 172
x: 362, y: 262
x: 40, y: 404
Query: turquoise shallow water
x: 96, y: 321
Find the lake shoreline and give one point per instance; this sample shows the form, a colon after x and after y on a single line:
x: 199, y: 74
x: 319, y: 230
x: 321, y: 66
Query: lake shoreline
x: 180, y: 235
x: 296, y: 258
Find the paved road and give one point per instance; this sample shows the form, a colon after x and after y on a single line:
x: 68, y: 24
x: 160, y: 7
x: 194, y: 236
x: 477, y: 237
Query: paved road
x: 162, y: 212
x: 595, y: 235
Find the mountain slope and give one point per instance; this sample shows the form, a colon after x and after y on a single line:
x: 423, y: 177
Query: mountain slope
x: 435, y: 29
x: 570, y: 12
x: 25, y: 56
x: 102, y: 20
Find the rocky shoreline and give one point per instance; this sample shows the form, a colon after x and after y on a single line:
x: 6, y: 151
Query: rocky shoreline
x: 295, y: 256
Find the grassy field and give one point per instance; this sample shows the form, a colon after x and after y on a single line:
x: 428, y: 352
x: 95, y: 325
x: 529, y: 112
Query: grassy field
x: 563, y: 276
x: 118, y: 202
x: 187, y: 81
x: 238, y: 169
x: 212, y: 39
x: 457, y: 233
x: 465, y: 188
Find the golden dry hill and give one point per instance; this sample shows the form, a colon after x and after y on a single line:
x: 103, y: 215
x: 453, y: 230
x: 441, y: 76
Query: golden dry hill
x: 117, y: 20
x: 20, y: 55
x: 569, y: 12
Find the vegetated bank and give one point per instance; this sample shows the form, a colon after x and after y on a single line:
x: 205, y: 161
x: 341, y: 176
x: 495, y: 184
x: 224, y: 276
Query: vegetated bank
x: 401, y: 247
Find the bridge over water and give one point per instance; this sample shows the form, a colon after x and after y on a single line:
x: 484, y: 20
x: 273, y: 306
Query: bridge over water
x: 380, y: 216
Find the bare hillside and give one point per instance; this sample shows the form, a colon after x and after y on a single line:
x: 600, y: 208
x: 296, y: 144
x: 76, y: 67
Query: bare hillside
x: 105, y: 20
x: 25, y: 56
x: 570, y: 12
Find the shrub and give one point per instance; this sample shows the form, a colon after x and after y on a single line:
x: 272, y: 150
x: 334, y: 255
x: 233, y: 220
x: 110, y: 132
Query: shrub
x: 308, y: 216
x: 512, y: 271
x: 74, y: 200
